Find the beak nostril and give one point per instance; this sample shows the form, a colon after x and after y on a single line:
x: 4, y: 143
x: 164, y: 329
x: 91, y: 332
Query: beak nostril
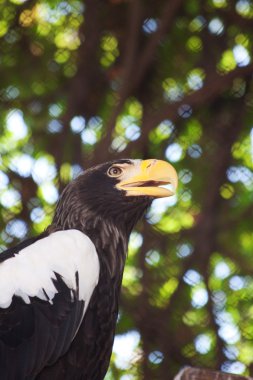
x: 151, y: 163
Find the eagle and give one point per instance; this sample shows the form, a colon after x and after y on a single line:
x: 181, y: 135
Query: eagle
x: 59, y: 291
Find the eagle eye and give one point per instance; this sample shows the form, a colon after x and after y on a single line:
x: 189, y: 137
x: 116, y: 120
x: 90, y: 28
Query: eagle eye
x: 114, y: 171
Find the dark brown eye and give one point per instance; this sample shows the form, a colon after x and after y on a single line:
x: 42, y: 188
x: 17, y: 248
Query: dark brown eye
x: 114, y: 171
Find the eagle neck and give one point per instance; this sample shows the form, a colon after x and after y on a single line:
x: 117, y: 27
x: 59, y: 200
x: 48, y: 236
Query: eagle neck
x: 109, y: 237
x: 108, y: 229
x: 111, y: 241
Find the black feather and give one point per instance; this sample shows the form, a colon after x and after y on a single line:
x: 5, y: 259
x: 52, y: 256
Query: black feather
x: 36, y: 338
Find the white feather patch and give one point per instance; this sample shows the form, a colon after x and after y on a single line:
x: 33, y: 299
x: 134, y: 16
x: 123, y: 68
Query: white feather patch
x: 32, y: 269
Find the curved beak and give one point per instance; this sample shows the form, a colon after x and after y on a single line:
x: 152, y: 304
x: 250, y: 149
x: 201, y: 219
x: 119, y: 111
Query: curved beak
x: 147, y: 179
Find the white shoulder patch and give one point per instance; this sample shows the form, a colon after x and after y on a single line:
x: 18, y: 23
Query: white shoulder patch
x: 30, y: 272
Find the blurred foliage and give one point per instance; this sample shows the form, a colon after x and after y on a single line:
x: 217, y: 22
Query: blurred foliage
x: 87, y: 81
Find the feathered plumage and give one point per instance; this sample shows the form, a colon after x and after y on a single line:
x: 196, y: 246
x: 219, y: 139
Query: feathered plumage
x: 59, y: 291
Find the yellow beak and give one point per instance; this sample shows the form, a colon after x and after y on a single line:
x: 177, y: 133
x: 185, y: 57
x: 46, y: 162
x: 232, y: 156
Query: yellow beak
x: 150, y: 175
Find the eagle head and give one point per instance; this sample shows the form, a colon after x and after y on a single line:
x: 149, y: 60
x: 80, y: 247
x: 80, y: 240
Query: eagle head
x: 118, y: 191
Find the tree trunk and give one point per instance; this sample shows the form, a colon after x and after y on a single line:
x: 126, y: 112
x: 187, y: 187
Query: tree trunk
x: 190, y: 373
